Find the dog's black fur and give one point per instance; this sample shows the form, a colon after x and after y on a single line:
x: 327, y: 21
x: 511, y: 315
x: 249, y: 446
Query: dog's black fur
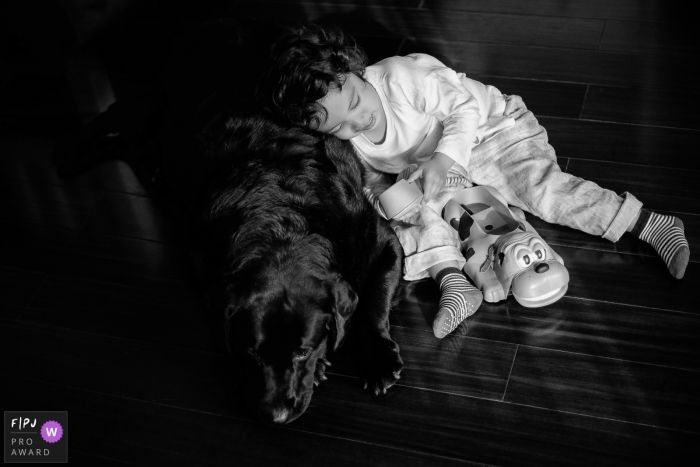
x: 285, y: 245
x: 290, y: 250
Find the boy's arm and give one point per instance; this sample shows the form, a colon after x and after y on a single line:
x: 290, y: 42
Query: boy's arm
x: 439, y: 91
x: 458, y: 111
x: 434, y: 174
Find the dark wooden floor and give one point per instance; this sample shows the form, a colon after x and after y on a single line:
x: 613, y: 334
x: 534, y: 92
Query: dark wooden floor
x: 98, y: 316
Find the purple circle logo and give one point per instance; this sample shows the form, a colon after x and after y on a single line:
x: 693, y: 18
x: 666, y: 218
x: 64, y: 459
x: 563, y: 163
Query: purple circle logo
x: 51, y: 431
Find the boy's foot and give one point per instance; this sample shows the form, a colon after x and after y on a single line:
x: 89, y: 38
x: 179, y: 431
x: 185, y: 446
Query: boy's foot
x: 666, y: 235
x: 459, y: 300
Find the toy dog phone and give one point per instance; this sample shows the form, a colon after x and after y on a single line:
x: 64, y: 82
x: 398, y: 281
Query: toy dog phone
x: 504, y: 252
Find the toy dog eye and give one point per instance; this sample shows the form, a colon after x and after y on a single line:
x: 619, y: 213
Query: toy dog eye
x: 523, y: 258
x: 541, y: 254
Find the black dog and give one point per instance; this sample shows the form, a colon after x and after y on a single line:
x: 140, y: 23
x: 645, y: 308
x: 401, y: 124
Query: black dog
x: 285, y: 244
x: 291, y: 250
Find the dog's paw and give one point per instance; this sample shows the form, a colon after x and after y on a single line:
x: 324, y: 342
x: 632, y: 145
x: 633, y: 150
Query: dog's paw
x: 383, y: 365
x: 320, y: 374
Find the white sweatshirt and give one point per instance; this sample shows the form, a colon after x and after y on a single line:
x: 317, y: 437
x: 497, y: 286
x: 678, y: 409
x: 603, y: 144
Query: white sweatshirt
x: 429, y: 108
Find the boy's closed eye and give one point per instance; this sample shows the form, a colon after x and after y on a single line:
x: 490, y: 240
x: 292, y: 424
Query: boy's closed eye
x: 356, y: 98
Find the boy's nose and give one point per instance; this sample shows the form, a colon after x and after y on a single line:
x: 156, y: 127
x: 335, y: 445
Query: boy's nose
x: 359, y: 122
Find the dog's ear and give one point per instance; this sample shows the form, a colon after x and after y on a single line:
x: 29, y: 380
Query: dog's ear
x: 220, y: 310
x: 343, y: 302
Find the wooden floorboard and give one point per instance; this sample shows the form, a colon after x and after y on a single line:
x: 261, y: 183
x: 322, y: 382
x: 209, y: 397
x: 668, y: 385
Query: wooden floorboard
x: 638, y: 179
x: 567, y: 65
x: 30, y: 161
x: 629, y: 10
x: 627, y: 144
x: 642, y: 37
x: 50, y: 205
x: 575, y: 33
x: 397, y: 421
x: 548, y: 98
x: 17, y: 287
x: 588, y: 327
x: 605, y: 387
x: 379, y: 49
x: 112, y: 259
x: 456, y: 365
x: 600, y: 439
x: 188, y: 437
x: 668, y: 108
x: 630, y: 279
x: 127, y: 215
x: 140, y: 312
x: 99, y: 314
x: 66, y: 358
x: 392, y: 422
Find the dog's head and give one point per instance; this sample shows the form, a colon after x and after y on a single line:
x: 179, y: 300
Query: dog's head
x: 280, y: 320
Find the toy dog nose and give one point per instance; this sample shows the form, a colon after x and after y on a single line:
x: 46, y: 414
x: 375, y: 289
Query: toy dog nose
x: 542, y: 267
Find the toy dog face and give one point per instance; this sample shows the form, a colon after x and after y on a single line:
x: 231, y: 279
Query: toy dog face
x: 526, y: 264
x: 522, y: 250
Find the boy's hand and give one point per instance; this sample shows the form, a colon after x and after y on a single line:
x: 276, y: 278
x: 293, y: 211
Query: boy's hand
x: 434, y: 174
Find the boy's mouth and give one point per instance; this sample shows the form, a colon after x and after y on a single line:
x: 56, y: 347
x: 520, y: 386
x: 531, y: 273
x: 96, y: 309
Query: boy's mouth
x: 370, y: 124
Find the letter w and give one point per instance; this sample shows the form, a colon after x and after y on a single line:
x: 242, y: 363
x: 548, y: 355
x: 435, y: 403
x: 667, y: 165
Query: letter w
x: 51, y: 431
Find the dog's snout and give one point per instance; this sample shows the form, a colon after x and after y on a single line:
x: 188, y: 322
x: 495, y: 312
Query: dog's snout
x: 541, y: 268
x: 280, y: 415
x: 283, y: 411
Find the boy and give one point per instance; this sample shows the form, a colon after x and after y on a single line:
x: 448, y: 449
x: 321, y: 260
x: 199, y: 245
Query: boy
x: 459, y: 132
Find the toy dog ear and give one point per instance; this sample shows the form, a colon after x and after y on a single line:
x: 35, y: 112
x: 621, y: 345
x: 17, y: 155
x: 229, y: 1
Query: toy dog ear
x: 490, y: 258
x: 343, y: 303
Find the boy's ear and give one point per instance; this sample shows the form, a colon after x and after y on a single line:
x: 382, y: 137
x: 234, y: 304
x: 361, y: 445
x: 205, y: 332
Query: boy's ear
x: 343, y: 301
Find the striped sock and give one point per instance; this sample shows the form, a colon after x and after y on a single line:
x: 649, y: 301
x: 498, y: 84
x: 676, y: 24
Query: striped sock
x: 458, y: 301
x: 665, y: 234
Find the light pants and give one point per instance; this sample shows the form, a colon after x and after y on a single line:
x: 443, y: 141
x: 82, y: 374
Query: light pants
x: 522, y: 166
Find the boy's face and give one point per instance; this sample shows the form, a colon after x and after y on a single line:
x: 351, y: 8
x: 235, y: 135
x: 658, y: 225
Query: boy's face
x: 354, y: 110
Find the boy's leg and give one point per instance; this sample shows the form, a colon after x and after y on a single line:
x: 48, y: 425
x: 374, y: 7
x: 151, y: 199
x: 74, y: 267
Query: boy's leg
x: 431, y: 249
x: 458, y: 300
x: 521, y: 164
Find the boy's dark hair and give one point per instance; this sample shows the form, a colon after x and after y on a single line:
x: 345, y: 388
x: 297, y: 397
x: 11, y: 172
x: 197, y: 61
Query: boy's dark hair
x: 307, y: 63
